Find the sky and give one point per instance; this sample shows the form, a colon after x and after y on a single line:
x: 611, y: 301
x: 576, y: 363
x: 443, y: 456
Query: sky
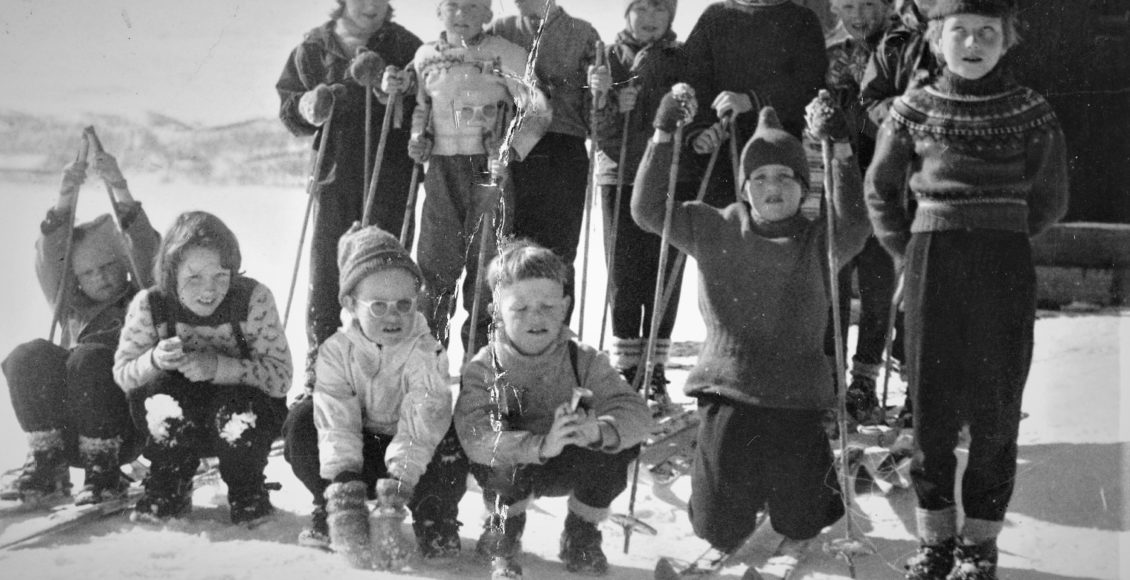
x: 210, y: 62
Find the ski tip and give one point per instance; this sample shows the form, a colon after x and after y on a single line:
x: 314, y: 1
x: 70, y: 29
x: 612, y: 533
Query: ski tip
x: 664, y: 570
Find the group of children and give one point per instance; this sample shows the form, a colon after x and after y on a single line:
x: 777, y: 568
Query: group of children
x: 202, y: 366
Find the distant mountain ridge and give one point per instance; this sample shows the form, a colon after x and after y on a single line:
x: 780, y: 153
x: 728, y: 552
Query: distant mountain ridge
x: 253, y: 152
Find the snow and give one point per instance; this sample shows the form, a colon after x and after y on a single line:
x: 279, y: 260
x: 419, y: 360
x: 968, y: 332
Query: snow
x: 159, y: 410
x: 1069, y: 517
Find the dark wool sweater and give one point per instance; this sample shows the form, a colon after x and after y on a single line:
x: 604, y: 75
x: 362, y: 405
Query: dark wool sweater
x: 762, y: 287
x: 982, y: 154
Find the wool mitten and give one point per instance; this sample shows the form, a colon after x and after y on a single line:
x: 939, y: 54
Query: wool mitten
x: 367, y: 68
x: 677, y: 106
x: 348, y: 522
x: 316, y: 104
x: 825, y: 119
x: 392, y: 547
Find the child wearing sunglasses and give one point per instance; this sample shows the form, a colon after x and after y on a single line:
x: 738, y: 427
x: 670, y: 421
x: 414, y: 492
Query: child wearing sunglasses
x: 379, y: 423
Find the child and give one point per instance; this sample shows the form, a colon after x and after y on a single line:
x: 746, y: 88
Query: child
x: 205, y: 363
x: 381, y: 406
x: 900, y: 57
x: 550, y: 183
x: 987, y: 166
x: 865, y: 22
x: 763, y: 379
x: 745, y: 54
x: 64, y: 396
x: 317, y: 77
x: 518, y: 419
x: 467, y: 94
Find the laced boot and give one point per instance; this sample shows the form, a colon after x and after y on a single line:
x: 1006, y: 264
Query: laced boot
x: 501, y: 542
x: 974, y: 562
x: 393, y: 550
x: 46, y: 475
x: 862, y: 402
x: 104, y: 480
x: 249, y: 503
x: 168, y: 491
x: 581, y: 547
x: 932, y: 561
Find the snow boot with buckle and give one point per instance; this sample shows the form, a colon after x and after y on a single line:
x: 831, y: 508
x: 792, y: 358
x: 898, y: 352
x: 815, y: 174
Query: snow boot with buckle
x: 581, y: 547
x: 974, y: 562
x: 932, y: 562
x: 501, y: 542
x: 103, y: 480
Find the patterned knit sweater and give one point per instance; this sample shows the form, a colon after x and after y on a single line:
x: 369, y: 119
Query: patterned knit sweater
x: 266, y: 364
x: 982, y: 154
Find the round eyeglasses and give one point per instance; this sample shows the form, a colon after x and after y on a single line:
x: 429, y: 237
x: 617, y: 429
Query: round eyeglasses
x: 380, y: 308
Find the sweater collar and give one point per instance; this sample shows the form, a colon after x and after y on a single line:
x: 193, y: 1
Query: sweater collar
x: 510, y: 357
x: 997, y: 81
x: 785, y: 228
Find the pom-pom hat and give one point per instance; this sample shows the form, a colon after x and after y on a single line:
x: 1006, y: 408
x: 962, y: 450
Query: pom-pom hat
x: 938, y: 9
x: 362, y: 251
x: 773, y: 145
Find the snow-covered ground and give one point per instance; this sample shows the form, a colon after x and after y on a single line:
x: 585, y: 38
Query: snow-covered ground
x: 1069, y: 517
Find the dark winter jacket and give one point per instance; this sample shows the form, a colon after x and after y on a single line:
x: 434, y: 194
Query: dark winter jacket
x: 653, y: 68
x: 901, y: 57
x: 763, y: 290
x: 84, y: 320
x: 320, y: 58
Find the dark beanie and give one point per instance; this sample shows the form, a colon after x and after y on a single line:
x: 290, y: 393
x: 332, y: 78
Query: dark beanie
x: 939, y: 9
x: 362, y: 251
x: 772, y: 145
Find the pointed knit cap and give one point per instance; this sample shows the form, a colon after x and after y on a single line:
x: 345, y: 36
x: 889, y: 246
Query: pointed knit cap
x: 670, y: 5
x: 939, y: 9
x: 772, y: 145
x: 362, y: 251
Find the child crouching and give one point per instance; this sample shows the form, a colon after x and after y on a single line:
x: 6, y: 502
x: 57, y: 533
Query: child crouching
x: 518, y: 423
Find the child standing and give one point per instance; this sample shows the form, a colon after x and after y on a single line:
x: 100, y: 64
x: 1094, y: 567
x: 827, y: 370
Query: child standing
x: 763, y: 379
x: 550, y: 183
x: 467, y: 96
x: 315, y: 79
x: 381, y: 411
x: 64, y: 395
x: 205, y: 363
x: 987, y: 167
x: 520, y: 423
x: 644, y: 62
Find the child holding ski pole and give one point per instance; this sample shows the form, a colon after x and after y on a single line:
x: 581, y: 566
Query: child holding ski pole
x: 470, y: 90
x: 206, y: 366
x: 317, y: 77
x: 644, y: 62
x: 540, y: 414
x: 380, y: 417
x: 987, y: 166
x: 64, y: 395
x: 763, y: 379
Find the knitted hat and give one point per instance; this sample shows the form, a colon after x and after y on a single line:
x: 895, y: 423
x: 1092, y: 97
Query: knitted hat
x: 772, y: 145
x: 362, y: 251
x: 938, y: 9
x: 670, y: 5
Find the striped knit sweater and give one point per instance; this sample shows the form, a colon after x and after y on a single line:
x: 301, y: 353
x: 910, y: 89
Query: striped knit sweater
x: 980, y: 154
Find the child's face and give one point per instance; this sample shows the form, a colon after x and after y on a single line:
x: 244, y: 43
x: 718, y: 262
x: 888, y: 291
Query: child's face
x: 202, y: 282
x: 100, y: 274
x: 464, y: 19
x: 367, y: 15
x: 861, y: 18
x: 528, y: 8
x: 774, y: 192
x: 971, y: 44
x: 384, y: 304
x: 648, y: 21
x: 533, y: 312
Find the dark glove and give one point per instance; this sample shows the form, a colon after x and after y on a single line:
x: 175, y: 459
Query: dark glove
x: 367, y: 68
x: 825, y: 119
x: 677, y: 107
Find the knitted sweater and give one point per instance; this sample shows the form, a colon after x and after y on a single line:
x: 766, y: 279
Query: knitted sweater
x: 565, y: 51
x: 83, y: 319
x: 261, y: 360
x: 762, y: 287
x: 399, y: 390
x: 508, y: 399
x: 982, y: 154
x: 455, y: 80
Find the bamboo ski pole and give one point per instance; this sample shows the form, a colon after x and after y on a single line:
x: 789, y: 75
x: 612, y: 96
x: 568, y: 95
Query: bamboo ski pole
x: 609, y: 285
x: 370, y: 196
x: 312, y: 194
x: 135, y: 269
x: 414, y: 189
x: 65, y: 273
x: 590, y: 192
x: 485, y: 229
x: 682, y: 92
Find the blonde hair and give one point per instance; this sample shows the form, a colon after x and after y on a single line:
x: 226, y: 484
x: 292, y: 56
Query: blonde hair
x: 1010, y: 28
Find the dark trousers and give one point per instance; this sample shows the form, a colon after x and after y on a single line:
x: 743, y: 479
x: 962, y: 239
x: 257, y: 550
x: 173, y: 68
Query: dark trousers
x: 593, y: 478
x: 748, y: 457
x: 549, y: 186
x: 875, y: 271
x: 970, y: 315
x: 73, y: 391
x: 437, y: 494
x: 185, y: 421
x: 636, y: 267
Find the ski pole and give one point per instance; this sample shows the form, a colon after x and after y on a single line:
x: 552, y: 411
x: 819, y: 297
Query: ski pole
x: 413, y: 189
x: 96, y: 144
x: 609, y: 285
x: 312, y: 194
x: 64, y: 275
x: 362, y: 68
x: 480, y: 273
x: 889, y: 338
x: 735, y: 159
x: 370, y: 196
x: 683, y: 92
x: 590, y: 190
